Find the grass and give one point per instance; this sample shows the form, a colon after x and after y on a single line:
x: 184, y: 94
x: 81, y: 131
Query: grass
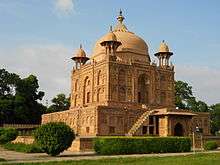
x: 198, y: 159
x: 21, y: 147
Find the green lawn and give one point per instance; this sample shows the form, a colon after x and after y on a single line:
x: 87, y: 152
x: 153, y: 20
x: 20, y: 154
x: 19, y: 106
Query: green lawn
x: 21, y: 147
x: 198, y: 159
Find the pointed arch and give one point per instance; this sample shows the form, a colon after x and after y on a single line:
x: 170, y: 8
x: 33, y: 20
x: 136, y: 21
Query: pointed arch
x: 143, y: 89
x: 178, y: 130
x: 88, y: 97
x: 86, y: 90
x: 98, y: 77
x: 122, y: 94
x: 122, y: 85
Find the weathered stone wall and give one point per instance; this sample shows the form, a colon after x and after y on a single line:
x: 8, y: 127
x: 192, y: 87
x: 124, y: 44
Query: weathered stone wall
x: 82, y: 144
x: 70, y: 117
x: 163, y: 126
x: 24, y: 139
x: 116, y: 121
x: 185, y: 121
x: 103, y: 81
x: 82, y: 120
x: 89, y: 84
x: 202, y: 120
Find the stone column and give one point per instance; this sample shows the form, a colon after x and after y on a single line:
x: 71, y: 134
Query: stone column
x: 154, y: 123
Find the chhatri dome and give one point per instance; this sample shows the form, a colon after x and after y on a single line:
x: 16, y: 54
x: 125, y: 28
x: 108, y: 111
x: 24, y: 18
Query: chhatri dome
x: 80, y: 56
x: 109, y: 36
x: 80, y: 52
x: 163, y: 47
x: 132, y: 47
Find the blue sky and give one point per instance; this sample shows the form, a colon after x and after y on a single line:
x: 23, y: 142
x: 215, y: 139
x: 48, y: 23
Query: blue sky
x: 39, y: 36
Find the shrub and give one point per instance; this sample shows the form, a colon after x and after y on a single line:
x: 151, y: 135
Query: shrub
x: 211, y: 145
x: 1, y: 160
x: 141, y: 145
x: 54, y: 138
x: 7, y: 135
x: 21, y: 147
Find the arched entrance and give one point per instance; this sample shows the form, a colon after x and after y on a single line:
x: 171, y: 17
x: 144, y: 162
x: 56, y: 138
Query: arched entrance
x: 178, y: 130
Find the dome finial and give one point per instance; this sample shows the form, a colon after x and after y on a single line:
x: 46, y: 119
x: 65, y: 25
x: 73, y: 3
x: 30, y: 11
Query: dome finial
x: 110, y: 29
x: 120, y: 12
x: 120, y: 18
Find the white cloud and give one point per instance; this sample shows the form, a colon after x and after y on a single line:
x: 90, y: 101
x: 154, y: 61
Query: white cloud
x: 64, y: 7
x: 204, y: 80
x: 50, y: 63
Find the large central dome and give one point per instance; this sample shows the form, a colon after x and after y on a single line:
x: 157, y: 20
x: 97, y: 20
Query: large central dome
x: 130, y: 43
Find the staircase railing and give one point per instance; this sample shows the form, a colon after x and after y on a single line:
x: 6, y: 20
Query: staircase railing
x: 139, y: 122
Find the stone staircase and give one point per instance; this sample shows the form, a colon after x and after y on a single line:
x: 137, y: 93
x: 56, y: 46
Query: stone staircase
x: 139, y: 122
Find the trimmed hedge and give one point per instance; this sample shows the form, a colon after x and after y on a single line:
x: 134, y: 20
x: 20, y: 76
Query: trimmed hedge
x: 211, y: 145
x: 21, y: 147
x: 7, y: 135
x: 55, y: 137
x: 141, y: 145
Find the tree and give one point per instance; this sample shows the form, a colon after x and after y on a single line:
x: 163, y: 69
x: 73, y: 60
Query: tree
x: 184, y: 98
x: 19, y: 99
x: 197, y: 106
x: 60, y: 103
x: 183, y: 92
x: 26, y: 100
x: 54, y: 138
x: 7, y: 83
x: 215, y: 118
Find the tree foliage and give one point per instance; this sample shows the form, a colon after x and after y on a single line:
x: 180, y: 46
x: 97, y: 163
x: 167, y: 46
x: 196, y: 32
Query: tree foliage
x: 215, y: 118
x: 59, y: 103
x: 184, y: 98
x: 7, y: 83
x: 19, y: 99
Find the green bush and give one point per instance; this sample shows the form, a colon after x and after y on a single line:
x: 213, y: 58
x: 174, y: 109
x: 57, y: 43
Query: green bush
x: 211, y: 145
x: 140, y: 145
x: 21, y: 147
x: 1, y: 160
x: 7, y: 135
x: 54, y: 138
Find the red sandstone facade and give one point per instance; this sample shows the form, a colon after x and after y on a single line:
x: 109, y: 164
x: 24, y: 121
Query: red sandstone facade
x: 120, y: 91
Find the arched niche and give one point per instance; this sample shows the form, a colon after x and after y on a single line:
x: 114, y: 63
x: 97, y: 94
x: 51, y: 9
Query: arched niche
x: 143, y: 89
x: 86, y: 90
x: 99, y: 77
x: 122, y: 85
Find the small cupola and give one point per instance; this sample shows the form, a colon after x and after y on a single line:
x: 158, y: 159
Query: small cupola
x: 110, y: 42
x: 80, y: 57
x: 163, y: 54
